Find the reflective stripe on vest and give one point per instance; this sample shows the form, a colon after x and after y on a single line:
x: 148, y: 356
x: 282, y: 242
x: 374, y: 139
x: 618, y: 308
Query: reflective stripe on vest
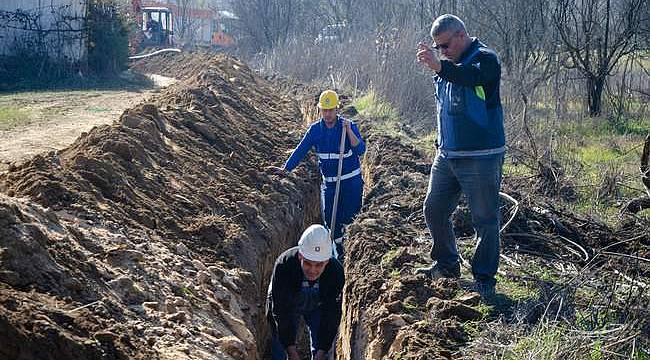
x: 485, y: 152
x: 343, y: 177
x: 331, y: 156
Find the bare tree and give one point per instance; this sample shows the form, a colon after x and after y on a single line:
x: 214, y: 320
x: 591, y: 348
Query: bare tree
x: 596, y: 34
x: 267, y: 23
x: 186, y: 23
x: 522, y: 32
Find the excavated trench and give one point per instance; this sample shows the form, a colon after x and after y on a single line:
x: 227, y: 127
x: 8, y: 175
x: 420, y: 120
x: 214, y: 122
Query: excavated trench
x: 155, y: 237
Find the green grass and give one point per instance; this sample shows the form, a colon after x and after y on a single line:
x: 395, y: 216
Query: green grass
x: 517, y: 170
x: 426, y: 143
x: 394, y: 274
x: 411, y: 307
x: 515, y: 290
x: 387, y: 121
x: 600, y: 159
x: 388, y: 257
x: 600, y: 128
x: 597, y: 154
x: 471, y: 328
x: 543, y: 344
x: 555, y: 341
x: 484, y: 309
x: 10, y: 117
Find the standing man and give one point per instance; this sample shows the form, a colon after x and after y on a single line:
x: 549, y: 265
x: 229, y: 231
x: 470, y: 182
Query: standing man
x: 307, y: 281
x: 324, y: 136
x: 471, y: 146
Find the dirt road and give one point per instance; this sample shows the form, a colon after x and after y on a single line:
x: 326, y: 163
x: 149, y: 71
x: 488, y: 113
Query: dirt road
x: 52, y: 120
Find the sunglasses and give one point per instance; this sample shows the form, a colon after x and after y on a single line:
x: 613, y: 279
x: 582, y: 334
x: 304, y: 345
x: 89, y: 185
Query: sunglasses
x: 445, y: 45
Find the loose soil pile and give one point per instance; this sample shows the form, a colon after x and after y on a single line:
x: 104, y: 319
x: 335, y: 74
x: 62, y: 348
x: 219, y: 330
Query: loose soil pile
x: 180, y: 66
x: 154, y: 237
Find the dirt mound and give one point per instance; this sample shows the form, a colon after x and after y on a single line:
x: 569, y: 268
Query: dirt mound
x: 390, y: 313
x: 176, y: 65
x: 153, y: 237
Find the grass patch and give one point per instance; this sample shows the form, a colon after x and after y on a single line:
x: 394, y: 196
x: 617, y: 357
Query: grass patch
x: 10, y: 117
x: 386, y: 120
x: 542, y: 344
x: 517, y: 170
x: 471, y: 328
x: 411, y: 307
x: 602, y: 165
x: 426, y: 143
x: 388, y: 257
x: 394, y: 274
x: 556, y: 341
x: 601, y: 128
x: 516, y: 291
x: 597, y: 154
x: 639, y: 127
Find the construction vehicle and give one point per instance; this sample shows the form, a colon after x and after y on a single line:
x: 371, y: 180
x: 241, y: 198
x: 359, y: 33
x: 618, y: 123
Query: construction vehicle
x: 222, y: 37
x: 157, y: 27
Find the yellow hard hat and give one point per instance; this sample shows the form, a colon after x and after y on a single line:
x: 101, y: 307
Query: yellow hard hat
x: 329, y: 99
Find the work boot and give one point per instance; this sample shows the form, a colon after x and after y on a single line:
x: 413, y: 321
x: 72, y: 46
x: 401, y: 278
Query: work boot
x: 486, y: 290
x: 438, y: 272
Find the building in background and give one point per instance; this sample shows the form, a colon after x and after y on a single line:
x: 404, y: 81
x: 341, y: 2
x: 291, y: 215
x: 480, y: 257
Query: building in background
x: 52, y: 28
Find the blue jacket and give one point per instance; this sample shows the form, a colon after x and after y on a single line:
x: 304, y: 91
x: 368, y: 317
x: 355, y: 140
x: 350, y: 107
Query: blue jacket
x: 326, y: 142
x: 470, y: 116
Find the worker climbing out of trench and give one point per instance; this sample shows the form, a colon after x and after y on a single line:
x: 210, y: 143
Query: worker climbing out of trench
x: 306, y: 282
x: 339, y: 145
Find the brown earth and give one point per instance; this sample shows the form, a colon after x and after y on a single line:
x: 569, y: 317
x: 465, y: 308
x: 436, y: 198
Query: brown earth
x: 56, y: 118
x: 153, y: 237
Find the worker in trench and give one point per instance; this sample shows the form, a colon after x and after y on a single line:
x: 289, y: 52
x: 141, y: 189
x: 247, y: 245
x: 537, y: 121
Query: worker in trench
x: 306, y: 282
x: 471, y: 147
x: 324, y: 136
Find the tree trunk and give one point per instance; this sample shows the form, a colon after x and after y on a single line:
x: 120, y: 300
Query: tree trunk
x: 595, y: 91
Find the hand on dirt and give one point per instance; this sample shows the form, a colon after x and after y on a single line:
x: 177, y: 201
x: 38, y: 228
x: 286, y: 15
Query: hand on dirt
x: 276, y: 170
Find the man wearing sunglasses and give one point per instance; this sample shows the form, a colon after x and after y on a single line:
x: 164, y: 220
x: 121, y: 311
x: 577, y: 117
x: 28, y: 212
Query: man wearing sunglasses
x: 471, y: 146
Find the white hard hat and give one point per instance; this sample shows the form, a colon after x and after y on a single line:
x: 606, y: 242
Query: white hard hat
x: 315, y: 243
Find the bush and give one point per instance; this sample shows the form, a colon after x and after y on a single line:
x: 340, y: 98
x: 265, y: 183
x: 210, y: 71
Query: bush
x: 108, y: 37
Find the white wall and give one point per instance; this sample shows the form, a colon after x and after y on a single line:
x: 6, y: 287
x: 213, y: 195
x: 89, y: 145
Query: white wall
x: 60, y: 45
